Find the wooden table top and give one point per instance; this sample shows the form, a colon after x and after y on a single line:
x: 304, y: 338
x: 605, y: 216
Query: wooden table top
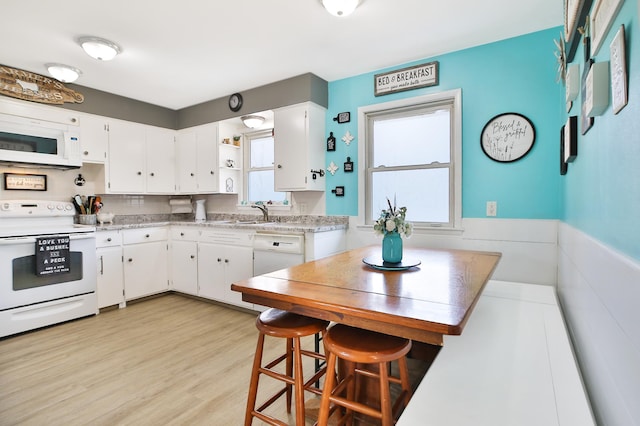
x: 422, y: 303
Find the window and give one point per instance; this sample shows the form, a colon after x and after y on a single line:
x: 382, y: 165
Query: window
x: 413, y: 155
x: 259, y: 168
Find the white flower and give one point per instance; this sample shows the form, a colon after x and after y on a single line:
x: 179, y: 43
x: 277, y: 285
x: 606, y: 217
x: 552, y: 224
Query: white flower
x: 390, y: 225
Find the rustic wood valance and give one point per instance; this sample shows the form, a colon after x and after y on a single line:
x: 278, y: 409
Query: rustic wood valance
x: 34, y: 87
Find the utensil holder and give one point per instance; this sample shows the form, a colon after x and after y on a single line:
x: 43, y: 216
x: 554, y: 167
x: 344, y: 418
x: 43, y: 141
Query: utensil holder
x: 87, y: 219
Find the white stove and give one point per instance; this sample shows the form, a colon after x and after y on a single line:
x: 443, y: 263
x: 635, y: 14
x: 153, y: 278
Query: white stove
x: 19, y: 218
x: 47, y: 265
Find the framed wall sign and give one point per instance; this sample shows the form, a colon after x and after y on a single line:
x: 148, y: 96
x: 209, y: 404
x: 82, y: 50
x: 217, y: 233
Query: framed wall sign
x: 24, y: 182
x: 586, y: 120
x: 342, y: 117
x: 563, y: 164
x: 575, y: 12
x: 507, y: 137
x: 618, y: 64
x: 331, y: 142
x: 570, y: 139
x: 408, y: 78
x: 601, y: 19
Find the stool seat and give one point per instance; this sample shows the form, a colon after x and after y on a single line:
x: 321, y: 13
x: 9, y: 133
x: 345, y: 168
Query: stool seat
x: 356, y: 347
x: 364, y: 346
x: 277, y: 323
x: 292, y: 327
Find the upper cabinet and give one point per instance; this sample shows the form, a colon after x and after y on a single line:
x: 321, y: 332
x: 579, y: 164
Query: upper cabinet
x: 94, y: 138
x: 197, y: 160
x: 299, y: 147
x: 141, y: 159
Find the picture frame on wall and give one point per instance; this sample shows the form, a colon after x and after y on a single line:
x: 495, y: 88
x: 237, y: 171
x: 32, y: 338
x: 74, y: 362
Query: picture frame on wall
x: 618, y: 71
x: 575, y: 12
x: 563, y: 164
x: 601, y: 20
x: 585, y: 120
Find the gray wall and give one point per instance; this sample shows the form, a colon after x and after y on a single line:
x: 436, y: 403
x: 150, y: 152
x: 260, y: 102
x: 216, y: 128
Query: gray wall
x: 302, y: 88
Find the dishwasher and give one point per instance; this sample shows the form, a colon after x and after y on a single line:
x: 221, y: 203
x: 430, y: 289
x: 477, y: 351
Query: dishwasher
x: 276, y: 251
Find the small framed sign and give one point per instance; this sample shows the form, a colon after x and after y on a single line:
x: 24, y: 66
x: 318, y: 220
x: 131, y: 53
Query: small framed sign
x: 409, y: 78
x: 342, y: 117
x: 331, y: 142
x: 25, y: 182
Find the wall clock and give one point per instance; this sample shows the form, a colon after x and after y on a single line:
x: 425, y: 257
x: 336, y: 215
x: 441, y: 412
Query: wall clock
x: 507, y: 137
x: 235, y: 102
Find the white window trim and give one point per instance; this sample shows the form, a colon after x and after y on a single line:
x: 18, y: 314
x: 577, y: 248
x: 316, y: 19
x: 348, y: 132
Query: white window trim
x: 450, y: 95
x: 243, y: 204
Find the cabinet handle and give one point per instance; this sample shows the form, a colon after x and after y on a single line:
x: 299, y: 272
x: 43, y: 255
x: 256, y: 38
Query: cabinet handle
x: 279, y: 166
x: 211, y: 172
x: 101, y: 265
x: 139, y: 173
x: 226, y: 261
x: 152, y: 174
x: 146, y: 236
x: 130, y: 260
x: 182, y: 234
x: 108, y: 240
x: 192, y: 174
x: 219, y: 260
x: 193, y: 256
x: 86, y: 153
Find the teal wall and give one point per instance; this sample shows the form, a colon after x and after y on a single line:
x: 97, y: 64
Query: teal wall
x: 514, y: 75
x: 601, y: 191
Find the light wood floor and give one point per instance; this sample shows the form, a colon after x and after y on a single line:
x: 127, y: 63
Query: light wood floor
x: 171, y: 360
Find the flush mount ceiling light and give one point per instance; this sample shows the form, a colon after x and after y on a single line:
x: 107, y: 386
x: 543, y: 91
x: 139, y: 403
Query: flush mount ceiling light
x: 340, y: 8
x: 99, y: 48
x: 63, y: 73
x: 252, y: 121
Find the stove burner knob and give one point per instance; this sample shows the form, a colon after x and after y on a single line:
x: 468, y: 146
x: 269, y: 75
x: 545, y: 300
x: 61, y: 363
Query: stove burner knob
x: 68, y: 207
x: 60, y: 207
x: 6, y: 206
x: 51, y: 206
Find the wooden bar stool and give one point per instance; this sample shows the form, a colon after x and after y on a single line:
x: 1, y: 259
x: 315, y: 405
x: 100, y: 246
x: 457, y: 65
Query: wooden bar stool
x: 290, y: 326
x: 357, y: 346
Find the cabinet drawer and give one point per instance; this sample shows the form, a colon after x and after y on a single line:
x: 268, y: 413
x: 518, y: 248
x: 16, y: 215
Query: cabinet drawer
x: 234, y: 237
x: 144, y: 235
x: 186, y: 234
x: 108, y: 239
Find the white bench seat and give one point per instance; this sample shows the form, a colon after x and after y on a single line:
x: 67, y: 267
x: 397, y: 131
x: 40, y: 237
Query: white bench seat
x: 512, y: 365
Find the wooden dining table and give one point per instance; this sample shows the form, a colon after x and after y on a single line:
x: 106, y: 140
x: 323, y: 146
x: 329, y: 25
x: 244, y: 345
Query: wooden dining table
x: 422, y: 303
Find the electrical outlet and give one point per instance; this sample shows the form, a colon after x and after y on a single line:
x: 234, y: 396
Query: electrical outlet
x: 492, y: 208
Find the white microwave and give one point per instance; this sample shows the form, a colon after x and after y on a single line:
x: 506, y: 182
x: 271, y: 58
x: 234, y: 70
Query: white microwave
x: 28, y: 142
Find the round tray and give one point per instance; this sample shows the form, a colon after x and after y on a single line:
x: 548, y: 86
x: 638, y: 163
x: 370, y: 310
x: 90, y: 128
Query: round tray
x: 376, y: 262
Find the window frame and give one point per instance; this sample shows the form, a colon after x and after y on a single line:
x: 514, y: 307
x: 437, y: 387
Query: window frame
x: 246, y: 158
x: 451, y: 97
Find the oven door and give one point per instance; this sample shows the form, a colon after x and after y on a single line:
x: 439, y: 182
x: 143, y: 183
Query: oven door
x: 21, y: 282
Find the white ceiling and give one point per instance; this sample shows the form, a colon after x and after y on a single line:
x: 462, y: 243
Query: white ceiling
x: 178, y: 53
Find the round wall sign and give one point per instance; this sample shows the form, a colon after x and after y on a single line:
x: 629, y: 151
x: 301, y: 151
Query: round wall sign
x: 507, y: 137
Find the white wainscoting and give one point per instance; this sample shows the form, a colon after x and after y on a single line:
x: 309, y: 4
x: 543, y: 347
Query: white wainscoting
x: 599, y: 291
x: 528, y: 247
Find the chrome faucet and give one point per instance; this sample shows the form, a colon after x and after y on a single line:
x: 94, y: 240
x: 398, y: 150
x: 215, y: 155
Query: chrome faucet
x: 264, y: 210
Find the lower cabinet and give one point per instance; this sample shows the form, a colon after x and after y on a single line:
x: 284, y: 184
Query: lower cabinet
x: 218, y: 267
x: 146, y: 257
x: 110, y: 284
x: 184, y: 260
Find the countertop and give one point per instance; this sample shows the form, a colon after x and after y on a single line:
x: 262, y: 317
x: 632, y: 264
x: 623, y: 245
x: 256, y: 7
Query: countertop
x: 253, y: 225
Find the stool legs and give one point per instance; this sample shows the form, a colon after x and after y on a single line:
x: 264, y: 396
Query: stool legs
x: 253, y: 384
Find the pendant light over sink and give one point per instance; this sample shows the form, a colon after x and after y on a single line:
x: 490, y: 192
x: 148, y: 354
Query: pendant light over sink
x: 340, y: 8
x: 99, y: 48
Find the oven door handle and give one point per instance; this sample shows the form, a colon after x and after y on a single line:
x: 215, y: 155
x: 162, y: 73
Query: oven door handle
x: 23, y: 240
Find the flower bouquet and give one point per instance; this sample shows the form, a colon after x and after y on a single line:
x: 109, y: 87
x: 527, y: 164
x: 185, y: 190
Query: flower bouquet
x: 392, y: 225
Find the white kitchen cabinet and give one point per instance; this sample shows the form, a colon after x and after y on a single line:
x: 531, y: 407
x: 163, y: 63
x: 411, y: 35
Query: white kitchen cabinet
x: 161, y: 160
x: 184, y: 260
x: 110, y: 284
x: 219, y: 267
x: 127, y: 158
x: 197, y: 160
x: 223, y: 258
x: 145, y: 252
x: 94, y: 138
x: 299, y: 139
x: 141, y: 159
